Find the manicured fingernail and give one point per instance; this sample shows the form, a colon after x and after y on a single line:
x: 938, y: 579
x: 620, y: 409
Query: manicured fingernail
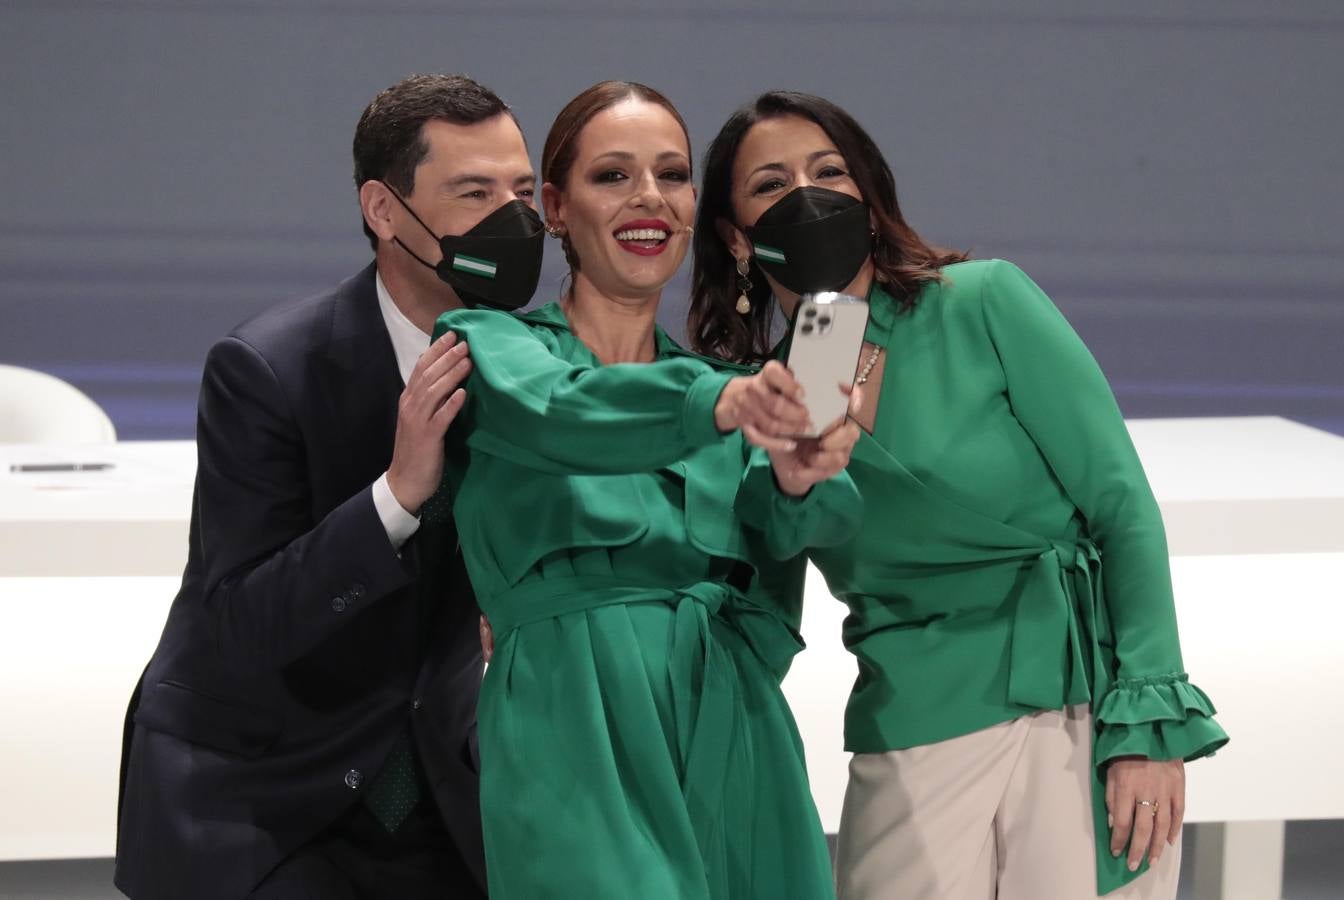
x: 1110, y: 821
x: 790, y: 446
x: 1133, y: 866
x: 1115, y: 853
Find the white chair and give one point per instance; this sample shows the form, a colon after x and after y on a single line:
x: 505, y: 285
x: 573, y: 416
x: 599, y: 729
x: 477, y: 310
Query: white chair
x: 37, y: 408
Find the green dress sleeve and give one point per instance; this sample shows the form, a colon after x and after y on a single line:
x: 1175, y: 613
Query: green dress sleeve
x: 825, y: 516
x: 530, y: 406
x: 1058, y: 393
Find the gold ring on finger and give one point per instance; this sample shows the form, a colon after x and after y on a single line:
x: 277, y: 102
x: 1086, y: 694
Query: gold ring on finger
x: 1151, y: 804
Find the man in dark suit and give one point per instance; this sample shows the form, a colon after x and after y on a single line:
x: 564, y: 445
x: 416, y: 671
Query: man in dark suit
x: 306, y: 727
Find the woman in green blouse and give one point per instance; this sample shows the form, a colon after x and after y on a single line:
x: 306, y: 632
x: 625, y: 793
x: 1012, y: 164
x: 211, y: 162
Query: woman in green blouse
x: 634, y: 740
x: 1021, y: 697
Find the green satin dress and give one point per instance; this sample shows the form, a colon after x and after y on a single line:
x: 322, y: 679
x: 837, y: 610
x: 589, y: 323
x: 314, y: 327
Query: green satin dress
x: 1012, y: 557
x: 634, y: 740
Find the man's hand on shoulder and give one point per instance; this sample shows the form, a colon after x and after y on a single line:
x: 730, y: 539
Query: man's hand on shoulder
x: 431, y: 400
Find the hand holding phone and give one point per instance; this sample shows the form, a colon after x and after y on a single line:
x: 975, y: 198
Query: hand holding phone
x: 824, y: 349
x: 765, y: 406
x: 814, y: 460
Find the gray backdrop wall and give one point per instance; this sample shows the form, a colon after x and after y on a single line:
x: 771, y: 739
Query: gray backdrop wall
x: 1171, y: 173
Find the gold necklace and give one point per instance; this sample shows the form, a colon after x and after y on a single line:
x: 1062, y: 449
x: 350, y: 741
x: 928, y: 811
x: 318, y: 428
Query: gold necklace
x: 868, y: 365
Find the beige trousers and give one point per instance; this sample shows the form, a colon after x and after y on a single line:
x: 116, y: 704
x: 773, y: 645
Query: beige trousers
x: 1000, y: 814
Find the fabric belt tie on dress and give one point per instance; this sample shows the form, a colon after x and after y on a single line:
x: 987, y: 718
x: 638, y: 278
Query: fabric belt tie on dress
x: 535, y: 601
x: 706, y: 713
x: 705, y: 702
x: 1055, y: 620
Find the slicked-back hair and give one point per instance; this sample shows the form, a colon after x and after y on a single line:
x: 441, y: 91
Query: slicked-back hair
x: 562, y: 141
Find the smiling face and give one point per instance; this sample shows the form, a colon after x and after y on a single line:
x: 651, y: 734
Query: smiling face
x: 627, y: 200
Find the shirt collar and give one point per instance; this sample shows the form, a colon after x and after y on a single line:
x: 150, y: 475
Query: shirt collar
x: 408, y: 341
x: 551, y: 314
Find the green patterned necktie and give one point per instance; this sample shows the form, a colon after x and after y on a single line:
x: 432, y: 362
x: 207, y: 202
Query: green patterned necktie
x: 396, y: 790
x: 439, y: 507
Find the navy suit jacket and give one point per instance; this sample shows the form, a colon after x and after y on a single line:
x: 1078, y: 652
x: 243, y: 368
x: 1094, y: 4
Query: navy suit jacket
x: 301, y: 643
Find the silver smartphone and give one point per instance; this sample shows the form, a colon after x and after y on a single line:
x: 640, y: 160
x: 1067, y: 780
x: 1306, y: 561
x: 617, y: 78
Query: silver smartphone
x: 824, y: 353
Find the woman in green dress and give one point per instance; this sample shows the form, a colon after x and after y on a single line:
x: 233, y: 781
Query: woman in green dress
x: 1019, y: 725
x: 634, y: 740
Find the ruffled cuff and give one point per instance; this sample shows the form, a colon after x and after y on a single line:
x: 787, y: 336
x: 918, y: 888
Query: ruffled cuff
x: 1161, y: 717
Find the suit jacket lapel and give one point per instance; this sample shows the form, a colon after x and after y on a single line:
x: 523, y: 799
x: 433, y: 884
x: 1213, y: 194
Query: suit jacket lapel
x: 363, y: 384
x: 362, y: 379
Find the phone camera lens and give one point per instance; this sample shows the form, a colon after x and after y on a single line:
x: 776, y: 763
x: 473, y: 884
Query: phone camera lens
x: 810, y: 312
x: 824, y: 321
x: 806, y: 329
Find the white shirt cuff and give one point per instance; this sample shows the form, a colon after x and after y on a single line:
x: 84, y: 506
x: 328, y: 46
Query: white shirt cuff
x: 397, y: 522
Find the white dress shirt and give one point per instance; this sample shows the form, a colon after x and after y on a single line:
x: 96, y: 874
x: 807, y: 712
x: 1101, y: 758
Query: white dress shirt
x: 408, y: 342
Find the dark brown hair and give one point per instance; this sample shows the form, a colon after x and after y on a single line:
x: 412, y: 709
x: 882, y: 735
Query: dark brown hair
x: 389, y: 139
x: 904, y: 261
x: 562, y: 141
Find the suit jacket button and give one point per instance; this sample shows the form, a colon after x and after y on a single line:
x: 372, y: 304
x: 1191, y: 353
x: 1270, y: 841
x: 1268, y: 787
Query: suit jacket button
x: 356, y: 591
x: 353, y: 779
x: 339, y: 603
x: 415, y: 704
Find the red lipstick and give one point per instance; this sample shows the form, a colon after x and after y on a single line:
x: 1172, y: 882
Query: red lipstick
x: 644, y: 237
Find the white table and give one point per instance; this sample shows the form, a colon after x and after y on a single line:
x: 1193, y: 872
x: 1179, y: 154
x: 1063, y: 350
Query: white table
x: 130, y: 519
x: 1254, y: 507
x: 89, y: 563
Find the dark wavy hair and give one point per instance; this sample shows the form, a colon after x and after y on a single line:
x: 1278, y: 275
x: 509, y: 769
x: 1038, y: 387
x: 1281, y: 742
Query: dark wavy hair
x: 904, y: 261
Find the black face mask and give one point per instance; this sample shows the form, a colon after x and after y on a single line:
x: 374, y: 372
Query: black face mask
x: 497, y: 263
x: 812, y: 239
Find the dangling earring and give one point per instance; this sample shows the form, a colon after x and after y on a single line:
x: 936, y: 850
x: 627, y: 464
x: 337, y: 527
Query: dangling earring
x: 743, y: 285
x: 554, y: 230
